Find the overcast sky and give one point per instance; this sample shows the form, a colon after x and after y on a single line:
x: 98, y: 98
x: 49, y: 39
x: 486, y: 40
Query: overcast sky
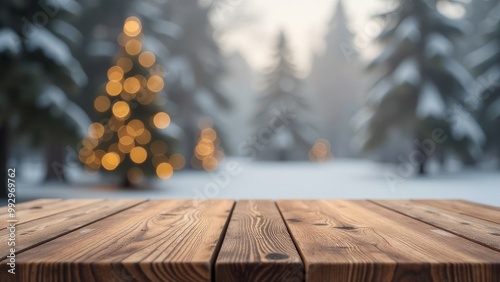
x: 304, y: 22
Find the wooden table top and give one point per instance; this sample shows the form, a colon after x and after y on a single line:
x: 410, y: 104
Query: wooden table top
x: 250, y: 240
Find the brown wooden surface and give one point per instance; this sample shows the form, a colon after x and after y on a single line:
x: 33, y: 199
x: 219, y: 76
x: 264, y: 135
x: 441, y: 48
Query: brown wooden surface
x: 481, y: 231
x: 481, y: 211
x: 361, y: 241
x: 257, y: 246
x: 287, y: 240
x: 29, y: 211
x: 167, y: 240
x: 41, y: 230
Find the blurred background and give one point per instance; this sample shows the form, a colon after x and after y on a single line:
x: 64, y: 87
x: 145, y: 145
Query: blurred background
x: 251, y: 98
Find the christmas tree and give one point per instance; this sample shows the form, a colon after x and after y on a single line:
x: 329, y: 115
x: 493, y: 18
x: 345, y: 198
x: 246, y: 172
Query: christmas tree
x: 486, y: 62
x: 207, y: 152
x: 133, y: 138
x: 422, y: 87
x: 37, y: 73
x: 284, y: 101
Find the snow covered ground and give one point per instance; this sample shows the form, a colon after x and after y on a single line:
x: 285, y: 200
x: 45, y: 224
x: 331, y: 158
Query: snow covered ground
x: 347, y: 179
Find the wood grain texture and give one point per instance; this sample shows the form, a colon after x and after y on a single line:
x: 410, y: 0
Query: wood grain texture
x: 481, y: 211
x: 257, y: 246
x: 480, y: 231
x: 361, y: 241
x: 41, y: 230
x: 46, y: 207
x: 163, y: 240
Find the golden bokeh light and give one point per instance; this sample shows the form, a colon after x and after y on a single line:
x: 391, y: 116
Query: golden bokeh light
x: 177, y: 161
x: 135, y: 175
x: 138, y: 155
x: 131, y: 85
x: 164, y: 170
x: 147, y: 59
x: 102, y: 103
x: 135, y: 127
x: 86, y: 155
x: 161, y: 120
x: 320, y: 151
x: 121, y: 109
x: 132, y: 26
x: 96, y: 130
x: 204, y: 149
x: 115, y: 73
x: 210, y: 163
x: 114, y: 88
x: 155, y: 83
x: 145, y: 97
x: 115, y: 148
x: 208, y: 134
x: 90, y: 142
x: 126, y: 144
x: 144, y: 138
x: 125, y: 64
x: 133, y: 47
x: 158, y: 147
x: 110, y: 161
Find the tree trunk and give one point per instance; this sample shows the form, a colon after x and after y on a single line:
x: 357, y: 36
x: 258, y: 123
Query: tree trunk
x: 423, y: 164
x: 55, y: 162
x: 4, y: 143
x: 126, y: 184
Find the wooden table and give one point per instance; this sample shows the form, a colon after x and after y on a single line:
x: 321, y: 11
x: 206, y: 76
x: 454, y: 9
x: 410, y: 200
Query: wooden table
x: 224, y: 240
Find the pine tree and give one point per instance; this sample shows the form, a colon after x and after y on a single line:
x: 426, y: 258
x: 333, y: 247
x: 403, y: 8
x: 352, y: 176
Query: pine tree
x: 336, y: 82
x: 38, y: 71
x: 421, y: 81
x: 133, y: 138
x: 486, y: 62
x: 282, y: 111
x: 196, y: 68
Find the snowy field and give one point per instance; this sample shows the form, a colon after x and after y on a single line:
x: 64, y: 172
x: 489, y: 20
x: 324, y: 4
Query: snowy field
x: 238, y: 179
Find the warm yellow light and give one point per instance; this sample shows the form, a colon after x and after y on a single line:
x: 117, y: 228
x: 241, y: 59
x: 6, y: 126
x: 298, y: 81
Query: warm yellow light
x: 115, y: 148
x: 138, y: 155
x: 155, y: 83
x: 147, y: 59
x: 115, y: 73
x: 132, y: 26
x: 204, y: 149
x: 126, y: 144
x: 102, y: 103
x: 210, y: 163
x: 135, y: 175
x: 110, y: 161
x: 121, y: 109
x: 208, y: 134
x: 114, y: 88
x: 177, y: 161
x: 86, y: 155
x: 133, y: 47
x: 145, y: 97
x: 164, y: 170
x: 144, y: 138
x: 125, y: 64
x: 135, y: 127
x: 161, y: 120
x: 96, y: 130
x: 90, y: 142
x: 131, y: 85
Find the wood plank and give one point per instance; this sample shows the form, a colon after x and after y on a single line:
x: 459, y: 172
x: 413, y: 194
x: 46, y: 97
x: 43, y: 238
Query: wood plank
x: 361, y: 241
x: 41, y: 230
x: 28, y: 205
x: 32, y: 211
x: 480, y: 231
x: 481, y: 211
x: 257, y: 246
x: 161, y: 240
